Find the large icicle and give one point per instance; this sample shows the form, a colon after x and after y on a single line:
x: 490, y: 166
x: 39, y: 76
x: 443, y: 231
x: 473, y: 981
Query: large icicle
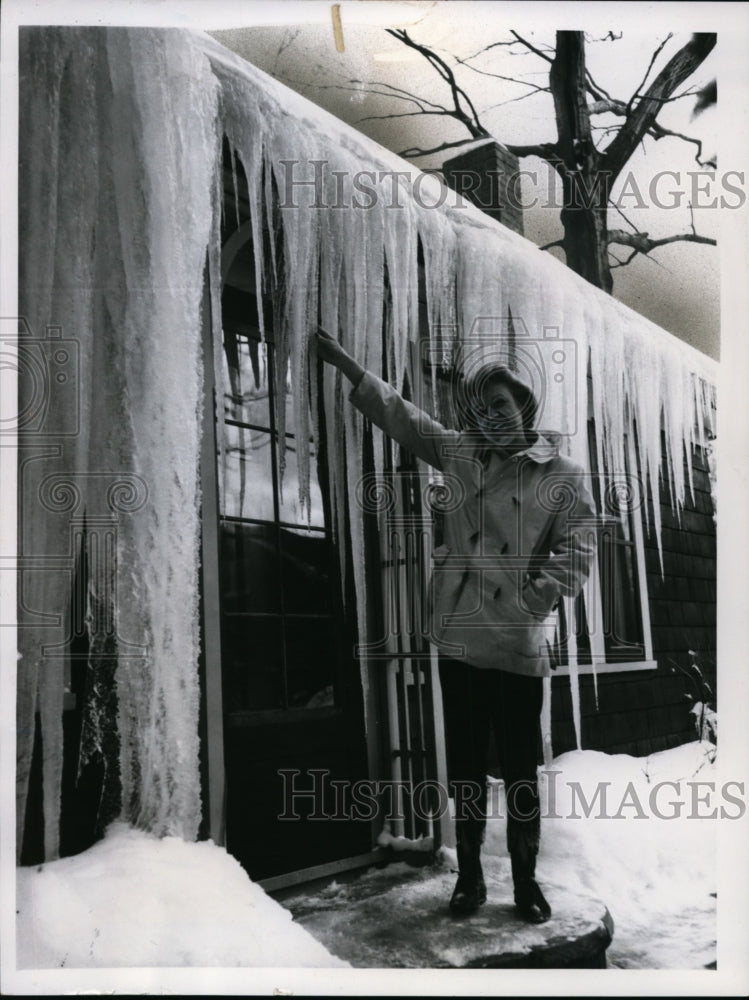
x: 124, y: 130
x: 58, y: 193
x: 163, y: 209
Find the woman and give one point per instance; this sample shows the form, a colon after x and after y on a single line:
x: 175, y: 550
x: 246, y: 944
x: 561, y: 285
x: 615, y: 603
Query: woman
x: 520, y: 539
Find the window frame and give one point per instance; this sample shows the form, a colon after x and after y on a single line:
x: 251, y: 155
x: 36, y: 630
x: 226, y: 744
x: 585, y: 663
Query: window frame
x: 592, y: 597
x: 277, y: 523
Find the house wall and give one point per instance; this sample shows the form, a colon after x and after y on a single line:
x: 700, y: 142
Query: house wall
x: 642, y: 712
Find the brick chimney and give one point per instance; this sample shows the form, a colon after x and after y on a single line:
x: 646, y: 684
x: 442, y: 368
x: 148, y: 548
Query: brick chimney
x: 481, y: 175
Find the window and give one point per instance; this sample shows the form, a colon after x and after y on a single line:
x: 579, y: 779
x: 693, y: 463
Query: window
x: 278, y: 571
x: 607, y: 626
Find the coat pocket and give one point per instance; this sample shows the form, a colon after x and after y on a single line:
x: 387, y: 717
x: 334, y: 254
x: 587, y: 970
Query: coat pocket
x: 537, y: 600
x: 440, y: 553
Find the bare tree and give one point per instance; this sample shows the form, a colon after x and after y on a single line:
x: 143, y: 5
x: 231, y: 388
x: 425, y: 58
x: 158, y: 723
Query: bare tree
x: 587, y: 158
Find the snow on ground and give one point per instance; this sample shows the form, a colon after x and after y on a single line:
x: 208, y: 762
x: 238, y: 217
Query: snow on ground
x: 655, y: 875
x: 134, y: 900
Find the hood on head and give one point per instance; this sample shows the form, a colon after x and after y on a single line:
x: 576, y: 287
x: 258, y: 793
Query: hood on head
x: 470, y: 400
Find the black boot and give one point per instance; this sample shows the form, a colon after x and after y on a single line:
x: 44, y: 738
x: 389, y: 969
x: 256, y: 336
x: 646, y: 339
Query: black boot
x: 470, y: 889
x: 530, y: 902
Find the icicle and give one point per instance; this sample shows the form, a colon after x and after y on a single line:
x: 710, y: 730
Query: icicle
x: 59, y: 197
x: 353, y: 426
x: 221, y: 372
x: 334, y: 407
x: 249, y: 151
x: 235, y: 186
x: 174, y: 154
x: 546, y: 736
x: 571, y: 619
x: 594, y: 672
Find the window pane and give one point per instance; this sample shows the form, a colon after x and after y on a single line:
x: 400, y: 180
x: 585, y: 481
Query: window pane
x: 249, y: 568
x: 246, y: 480
x: 306, y: 572
x: 245, y: 378
x: 291, y: 509
x: 621, y: 617
x: 621, y: 609
x: 311, y: 654
x: 252, y: 656
x: 564, y: 640
x: 581, y: 627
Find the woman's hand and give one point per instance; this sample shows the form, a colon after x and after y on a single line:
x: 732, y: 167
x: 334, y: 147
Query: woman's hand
x: 331, y: 351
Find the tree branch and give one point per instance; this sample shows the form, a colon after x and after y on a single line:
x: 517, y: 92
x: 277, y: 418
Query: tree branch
x: 533, y: 48
x: 545, y: 150
x: 414, y: 152
x: 368, y: 88
x: 659, y: 132
x: 556, y: 243
x: 642, y: 243
x: 610, y: 36
x: 514, y: 100
x: 608, y: 106
x: 628, y: 221
x: 623, y: 263
x: 641, y: 119
x: 499, y: 76
x: 595, y: 89
x: 655, y: 131
x: 499, y: 45
x: 638, y: 88
x: 405, y: 114
x: 470, y: 118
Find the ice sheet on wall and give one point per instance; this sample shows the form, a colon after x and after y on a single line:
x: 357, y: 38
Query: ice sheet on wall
x: 118, y: 159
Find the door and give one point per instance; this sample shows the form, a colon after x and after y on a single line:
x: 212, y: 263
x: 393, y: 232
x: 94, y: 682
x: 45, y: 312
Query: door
x: 293, y: 717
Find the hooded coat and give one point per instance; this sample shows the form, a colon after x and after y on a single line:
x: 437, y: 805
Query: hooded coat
x: 518, y: 533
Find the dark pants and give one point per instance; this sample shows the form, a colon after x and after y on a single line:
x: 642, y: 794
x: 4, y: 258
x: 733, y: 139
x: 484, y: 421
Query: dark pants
x: 475, y: 701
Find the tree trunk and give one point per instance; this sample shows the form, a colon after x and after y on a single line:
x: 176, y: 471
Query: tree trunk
x: 583, y: 217
x: 584, y: 184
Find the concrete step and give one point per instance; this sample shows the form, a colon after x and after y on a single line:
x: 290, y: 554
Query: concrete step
x: 398, y: 917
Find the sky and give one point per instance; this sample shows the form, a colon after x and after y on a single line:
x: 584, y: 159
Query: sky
x: 677, y: 286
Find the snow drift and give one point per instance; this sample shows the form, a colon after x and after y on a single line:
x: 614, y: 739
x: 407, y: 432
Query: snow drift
x: 656, y: 874
x: 134, y: 900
